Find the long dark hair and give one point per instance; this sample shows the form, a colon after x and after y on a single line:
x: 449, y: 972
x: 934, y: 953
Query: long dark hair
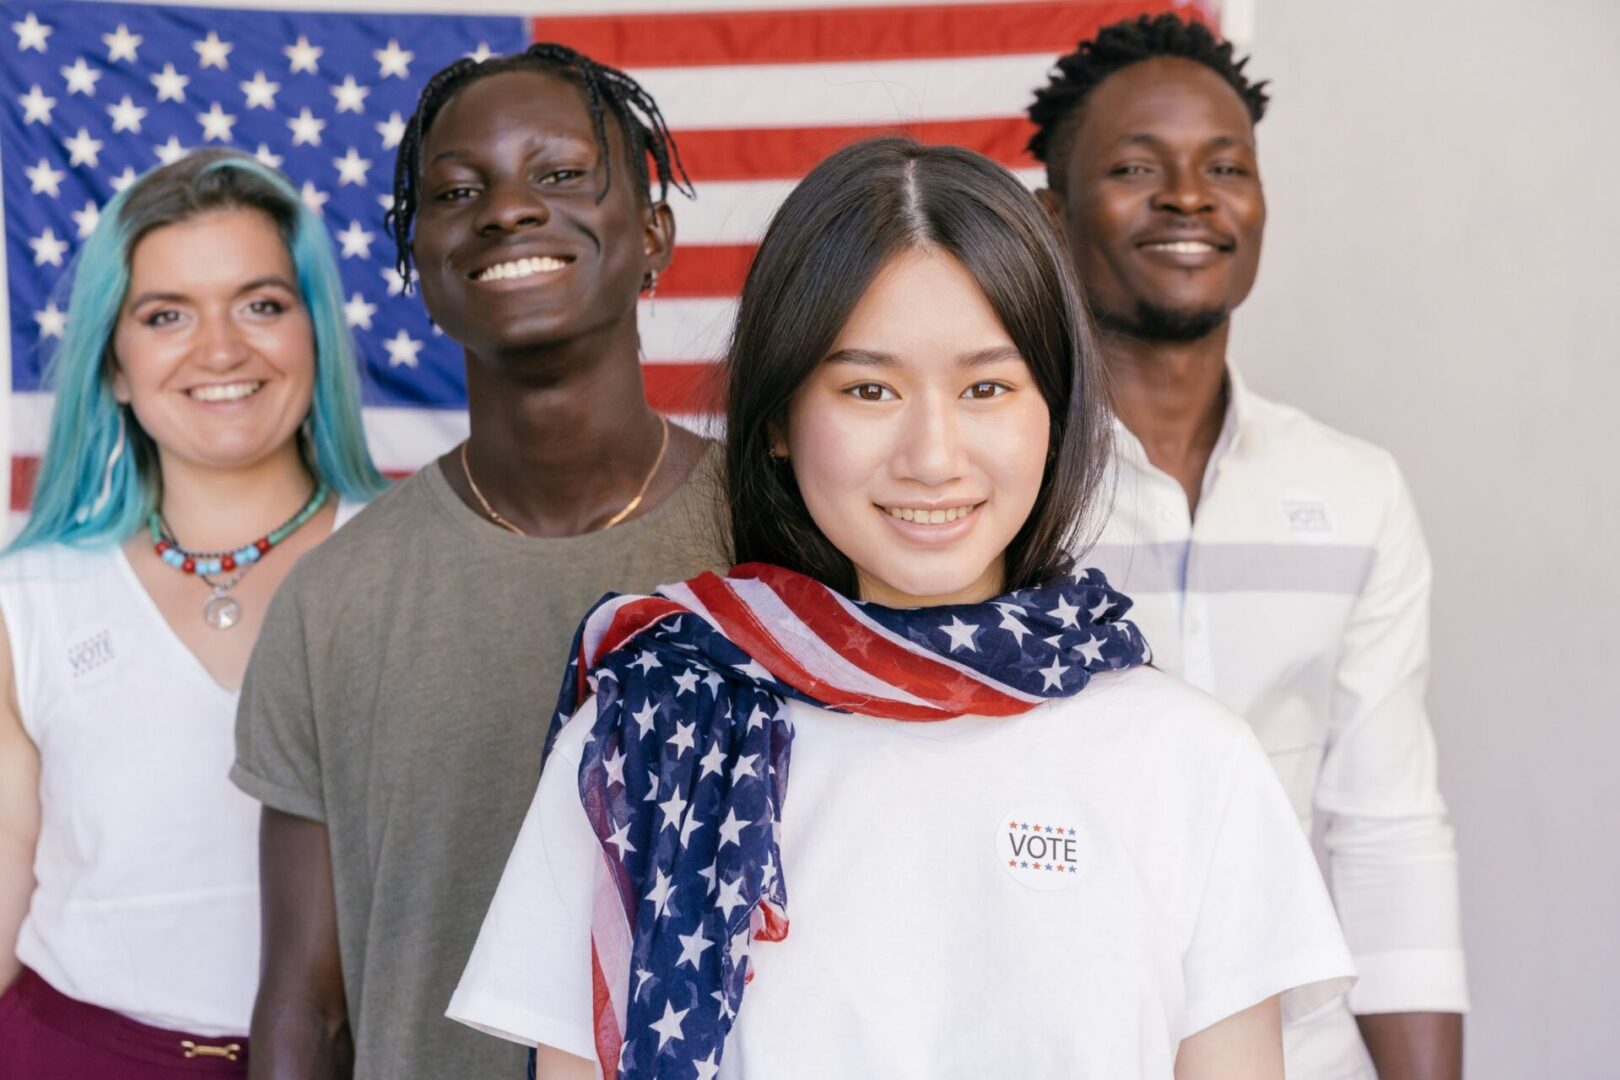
x: 855, y: 211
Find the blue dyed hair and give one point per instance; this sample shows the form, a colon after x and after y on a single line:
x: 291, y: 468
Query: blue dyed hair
x: 81, y: 499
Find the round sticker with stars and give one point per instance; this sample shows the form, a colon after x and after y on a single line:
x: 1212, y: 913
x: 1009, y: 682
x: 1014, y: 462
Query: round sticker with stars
x: 1041, y: 846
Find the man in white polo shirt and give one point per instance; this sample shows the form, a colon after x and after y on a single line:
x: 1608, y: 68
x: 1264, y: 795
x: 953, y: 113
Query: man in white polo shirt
x: 1274, y: 562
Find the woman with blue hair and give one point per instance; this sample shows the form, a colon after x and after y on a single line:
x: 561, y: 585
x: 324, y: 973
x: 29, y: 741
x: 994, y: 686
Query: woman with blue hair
x: 206, y: 433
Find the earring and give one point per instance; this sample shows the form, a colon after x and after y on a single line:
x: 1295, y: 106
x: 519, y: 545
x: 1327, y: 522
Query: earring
x: 649, y: 283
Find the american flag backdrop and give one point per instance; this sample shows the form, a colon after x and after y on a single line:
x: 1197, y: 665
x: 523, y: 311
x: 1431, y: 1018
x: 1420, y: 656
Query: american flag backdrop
x: 94, y: 93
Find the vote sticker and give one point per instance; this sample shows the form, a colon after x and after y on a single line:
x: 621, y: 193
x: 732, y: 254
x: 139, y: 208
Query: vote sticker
x: 1041, y: 846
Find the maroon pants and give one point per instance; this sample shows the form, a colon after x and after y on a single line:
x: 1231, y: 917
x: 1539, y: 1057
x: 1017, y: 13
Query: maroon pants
x: 46, y: 1035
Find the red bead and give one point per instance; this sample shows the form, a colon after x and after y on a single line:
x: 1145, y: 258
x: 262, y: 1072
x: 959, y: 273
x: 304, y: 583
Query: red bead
x: 227, y: 564
x: 263, y: 546
x: 189, y: 566
x: 162, y: 546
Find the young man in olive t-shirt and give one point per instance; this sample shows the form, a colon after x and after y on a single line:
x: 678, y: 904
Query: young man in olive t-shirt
x: 393, y: 716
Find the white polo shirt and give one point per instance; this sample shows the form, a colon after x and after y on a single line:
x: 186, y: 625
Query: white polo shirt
x: 1299, y: 596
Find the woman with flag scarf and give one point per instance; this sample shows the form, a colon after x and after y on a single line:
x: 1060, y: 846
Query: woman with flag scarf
x: 1010, y: 847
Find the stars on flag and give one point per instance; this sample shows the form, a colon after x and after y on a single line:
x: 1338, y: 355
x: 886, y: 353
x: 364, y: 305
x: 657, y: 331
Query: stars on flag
x: 212, y: 52
x: 48, y: 248
x: 268, y: 157
x: 1053, y: 675
x: 306, y: 128
x: 259, y: 92
x: 81, y: 79
x: 682, y: 740
x: 302, y: 56
x: 52, y: 321
x: 730, y: 896
x: 352, y: 168
x: 659, y: 895
x: 393, y: 62
x: 313, y: 197
x: 669, y: 1025
x: 170, y: 84
x: 613, y: 762
x: 673, y: 808
x: 692, y: 947
x: 121, y: 44
x: 86, y: 219
x: 645, y: 716
x: 350, y: 95
x: 621, y: 840
x: 392, y: 131
x: 1090, y: 650
x: 44, y: 180
x: 714, y: 761
x: 402, y: 349
x: 126, y: 116
x: 83, y: 150
x: 31, y: 33
x: 216, y: 124
x: 171, y: 151
x: 355, y: 241
x: 960, y: 634
x: 1066, y: 613
x: 36, y: 106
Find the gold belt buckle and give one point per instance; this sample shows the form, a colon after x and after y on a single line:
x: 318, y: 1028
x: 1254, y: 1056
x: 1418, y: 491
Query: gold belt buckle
x: 228, y: 1051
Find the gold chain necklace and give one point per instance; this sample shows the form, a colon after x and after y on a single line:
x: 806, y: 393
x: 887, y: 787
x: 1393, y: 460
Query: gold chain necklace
x: 629, y: 507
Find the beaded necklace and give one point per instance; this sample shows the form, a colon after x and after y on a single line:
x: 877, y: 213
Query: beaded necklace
x: 221, y: 610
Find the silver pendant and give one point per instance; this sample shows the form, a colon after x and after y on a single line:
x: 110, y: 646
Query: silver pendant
x: 222, y: 612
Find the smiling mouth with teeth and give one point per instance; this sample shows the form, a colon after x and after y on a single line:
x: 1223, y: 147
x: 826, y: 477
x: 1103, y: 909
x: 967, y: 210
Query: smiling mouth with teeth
x: 928, y: 517
x: 1185, y: 247
x: 521, y: 268
x: 224, y: 391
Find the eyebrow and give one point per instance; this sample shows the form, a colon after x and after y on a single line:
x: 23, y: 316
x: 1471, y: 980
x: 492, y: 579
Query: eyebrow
x: 873, y: 358
x: 275, y: 280
x: 1143, y: 138
x: 537, y: 141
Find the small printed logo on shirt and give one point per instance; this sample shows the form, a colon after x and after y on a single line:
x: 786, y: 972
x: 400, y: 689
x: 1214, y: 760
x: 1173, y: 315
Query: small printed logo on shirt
x: 1307, y: 516
x: 1041, y: 847
x: 90, y: 657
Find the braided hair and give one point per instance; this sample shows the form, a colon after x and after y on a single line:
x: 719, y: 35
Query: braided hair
x: 606, y: 89
x: 1056, y: 110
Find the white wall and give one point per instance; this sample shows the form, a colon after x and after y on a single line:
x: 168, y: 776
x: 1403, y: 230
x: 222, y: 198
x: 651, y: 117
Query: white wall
x: 1442, y: 276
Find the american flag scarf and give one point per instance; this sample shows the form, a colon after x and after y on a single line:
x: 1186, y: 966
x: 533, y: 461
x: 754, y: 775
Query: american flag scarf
x: 686, y: 767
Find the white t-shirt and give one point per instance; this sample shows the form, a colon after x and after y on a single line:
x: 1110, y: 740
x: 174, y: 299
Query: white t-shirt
x: 1070, y: 892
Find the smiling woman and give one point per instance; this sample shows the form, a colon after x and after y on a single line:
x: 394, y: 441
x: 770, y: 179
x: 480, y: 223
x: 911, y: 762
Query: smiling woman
x: 977, y: 744
x: 207, y: 408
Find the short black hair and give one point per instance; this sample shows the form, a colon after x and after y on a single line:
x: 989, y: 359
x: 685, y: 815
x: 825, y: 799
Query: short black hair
x: 849, y: 218
x: 606, y: 89
x: 1056, y: 110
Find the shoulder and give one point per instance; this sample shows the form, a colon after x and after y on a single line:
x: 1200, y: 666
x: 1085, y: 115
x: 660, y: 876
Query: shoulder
x: 1142, y: 710
x: 1289, y: 434
x: 363, y: 535
x: 56, y: 565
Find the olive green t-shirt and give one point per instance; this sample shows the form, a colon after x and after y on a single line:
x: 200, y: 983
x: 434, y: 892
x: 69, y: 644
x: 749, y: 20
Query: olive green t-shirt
x: 400, y: 693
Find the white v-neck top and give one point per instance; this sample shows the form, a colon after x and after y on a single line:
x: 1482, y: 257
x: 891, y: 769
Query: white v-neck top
x: 147, y: 894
